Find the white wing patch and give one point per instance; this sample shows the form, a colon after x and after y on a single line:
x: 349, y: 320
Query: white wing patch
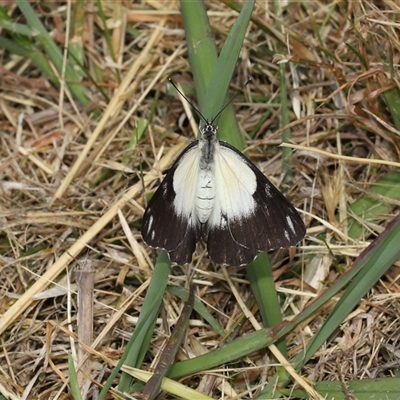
x: 235, y: 184
x: 185, y: 182
x: 150, y: 223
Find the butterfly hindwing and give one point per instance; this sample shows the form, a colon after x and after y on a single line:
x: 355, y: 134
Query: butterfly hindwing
x: 223, y: 248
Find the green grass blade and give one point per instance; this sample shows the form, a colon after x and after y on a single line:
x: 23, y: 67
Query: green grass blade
x: 366, y: 389
x: 14, y: 28
x: 220, y: 79
x: 73, y: 379
x: 212, y: 74
x: 262, y: 283
x: 235, y: 350
x: 373, y: 206
x: 222, y: 75
x: 134, y: 350
x: 392, y: 97
x: 139, y: 342
x: 203, y: 53
x: 22, y: 47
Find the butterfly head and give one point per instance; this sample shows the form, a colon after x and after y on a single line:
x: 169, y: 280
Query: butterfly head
x: 208, y: 130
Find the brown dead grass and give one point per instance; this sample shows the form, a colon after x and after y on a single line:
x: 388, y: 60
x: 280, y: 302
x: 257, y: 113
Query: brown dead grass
x: 65, y: 189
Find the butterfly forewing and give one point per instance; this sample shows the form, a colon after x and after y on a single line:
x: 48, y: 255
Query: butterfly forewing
x: 167, y: 224
x: 268, y: 220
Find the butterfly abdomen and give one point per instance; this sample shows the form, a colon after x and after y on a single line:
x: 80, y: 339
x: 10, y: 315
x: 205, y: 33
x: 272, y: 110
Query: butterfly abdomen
x: 205, y: 196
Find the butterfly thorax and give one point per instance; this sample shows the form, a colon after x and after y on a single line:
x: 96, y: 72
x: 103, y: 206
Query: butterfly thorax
x: 206, y: 181
x: 207, y: 141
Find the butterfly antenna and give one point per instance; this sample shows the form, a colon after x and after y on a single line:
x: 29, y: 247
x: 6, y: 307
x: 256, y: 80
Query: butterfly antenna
x: 190, y: 103
x: 198, y: 111
x: 230, y: 101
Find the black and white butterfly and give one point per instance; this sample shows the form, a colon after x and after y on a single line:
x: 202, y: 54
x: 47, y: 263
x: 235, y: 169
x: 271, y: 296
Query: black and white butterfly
x: 216, y: 194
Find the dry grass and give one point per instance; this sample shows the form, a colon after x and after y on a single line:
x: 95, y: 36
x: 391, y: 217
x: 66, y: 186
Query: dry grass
x: 70, y: 176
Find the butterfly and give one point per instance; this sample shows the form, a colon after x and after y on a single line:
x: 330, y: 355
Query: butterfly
x: 214, y: 193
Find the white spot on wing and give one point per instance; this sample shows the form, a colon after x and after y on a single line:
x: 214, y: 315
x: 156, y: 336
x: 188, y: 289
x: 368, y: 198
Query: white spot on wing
x: 290, y: 223
x: 286, y: 233
x: 150, y: 223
